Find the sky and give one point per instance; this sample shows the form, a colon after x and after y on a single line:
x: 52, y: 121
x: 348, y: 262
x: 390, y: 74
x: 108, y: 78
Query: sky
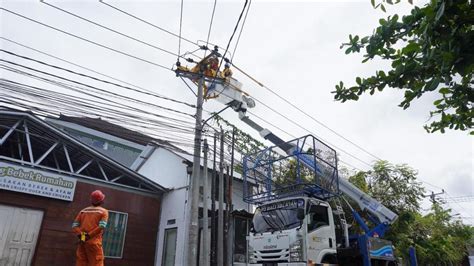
x: 293, y: 47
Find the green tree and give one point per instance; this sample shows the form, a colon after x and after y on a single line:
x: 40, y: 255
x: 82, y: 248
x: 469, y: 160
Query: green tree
x: 395, y: 186
x: 438, y: 239
x: 430, y: 50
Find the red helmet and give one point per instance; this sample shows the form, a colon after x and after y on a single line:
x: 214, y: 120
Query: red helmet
x: 97, y: 197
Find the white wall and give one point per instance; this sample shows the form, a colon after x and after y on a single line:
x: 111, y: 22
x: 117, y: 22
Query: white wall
x: 173, y: 207
x: 165, y: 168
x: 169, y: 170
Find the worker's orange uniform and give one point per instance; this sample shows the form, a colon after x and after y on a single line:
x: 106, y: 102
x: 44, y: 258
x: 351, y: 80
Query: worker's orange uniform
x: 91, y: 220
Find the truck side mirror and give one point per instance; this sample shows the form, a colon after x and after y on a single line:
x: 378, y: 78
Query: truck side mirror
x: 252, y: 228
x: 300, y: 214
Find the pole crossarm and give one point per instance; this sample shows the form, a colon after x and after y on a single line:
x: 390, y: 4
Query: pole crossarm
x: 196, y: 76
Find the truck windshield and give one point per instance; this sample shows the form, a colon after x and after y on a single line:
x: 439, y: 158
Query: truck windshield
x: 276, y: 216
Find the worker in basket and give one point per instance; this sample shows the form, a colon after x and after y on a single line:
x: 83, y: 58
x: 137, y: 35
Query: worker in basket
x: 225, y: 74
x: 89, y: 226
x: 221, y: 85
x: 209, y: 66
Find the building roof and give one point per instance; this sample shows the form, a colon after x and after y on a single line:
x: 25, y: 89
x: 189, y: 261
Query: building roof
x: 104, y: 126
x: 107, y: 127
x: 46, y: 137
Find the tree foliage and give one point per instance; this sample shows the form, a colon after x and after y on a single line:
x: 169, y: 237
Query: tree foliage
x: 430, y: 50
x: 395, y: 186
x: 245, y: 143
x: 438, y: 239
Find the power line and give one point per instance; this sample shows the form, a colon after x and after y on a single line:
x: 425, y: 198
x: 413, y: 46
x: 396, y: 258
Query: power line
x: 233, y: 32
x: 91, y: 77
x: 110, y: 29
x: 57, y: 101
x: 180, y: 28
x: 230, y: 40
x: 99, y: 73
x: 61, y: 98
x: 86, y: 40
x: 459, y: 199
x: 298, y: 125
x: 457, y: 203
x: 91, y: 87
x: 308, y: 115
x: 112, y: 49
x: 289, y: 134
x: 148, y: 23
x: 210, y: 24
x: 240, y: 33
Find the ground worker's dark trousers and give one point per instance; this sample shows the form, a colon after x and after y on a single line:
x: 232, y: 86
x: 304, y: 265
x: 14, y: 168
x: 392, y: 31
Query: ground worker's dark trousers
x: 89, y: 254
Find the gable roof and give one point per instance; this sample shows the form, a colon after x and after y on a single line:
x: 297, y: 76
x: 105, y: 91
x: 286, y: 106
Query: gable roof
x: 107, y: 127
x: 71, y: 156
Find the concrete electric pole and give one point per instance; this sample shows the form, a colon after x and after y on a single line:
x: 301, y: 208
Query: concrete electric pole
x: 205, y: 202
x: 220, y: 213
x: 193, y: 204
x: 192, y: 211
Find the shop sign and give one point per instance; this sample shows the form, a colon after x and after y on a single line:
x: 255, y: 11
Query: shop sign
x: 37, y: 182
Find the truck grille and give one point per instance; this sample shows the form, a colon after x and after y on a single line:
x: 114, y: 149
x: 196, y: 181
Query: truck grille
x: 274, y: 255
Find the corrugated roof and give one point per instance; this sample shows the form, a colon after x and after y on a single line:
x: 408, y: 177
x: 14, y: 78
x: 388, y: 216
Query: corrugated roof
x: 109, y: 128
x: 86, y: 149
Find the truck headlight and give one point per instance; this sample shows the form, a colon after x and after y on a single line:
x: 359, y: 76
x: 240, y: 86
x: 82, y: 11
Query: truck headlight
x: 296, y: 250
x: 251, y: 253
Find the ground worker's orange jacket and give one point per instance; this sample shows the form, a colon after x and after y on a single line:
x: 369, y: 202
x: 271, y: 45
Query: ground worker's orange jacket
x: 91, y: 220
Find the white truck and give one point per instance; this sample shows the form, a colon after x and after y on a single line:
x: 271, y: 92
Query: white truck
x: 305, y: 229
x: 294, y: 230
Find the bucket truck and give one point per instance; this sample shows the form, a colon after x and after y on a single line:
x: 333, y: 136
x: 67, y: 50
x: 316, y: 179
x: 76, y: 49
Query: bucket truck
x: 299, y: 219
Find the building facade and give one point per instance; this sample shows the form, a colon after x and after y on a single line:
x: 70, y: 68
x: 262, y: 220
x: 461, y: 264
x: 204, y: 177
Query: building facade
x: 46, y: 177
x: 169, y: 166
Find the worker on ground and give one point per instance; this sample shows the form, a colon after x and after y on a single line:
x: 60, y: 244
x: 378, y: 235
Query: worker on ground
x: 89, y: 226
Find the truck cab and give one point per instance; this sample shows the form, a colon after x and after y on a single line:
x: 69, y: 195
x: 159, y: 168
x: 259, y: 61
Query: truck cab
x: 292, y: 231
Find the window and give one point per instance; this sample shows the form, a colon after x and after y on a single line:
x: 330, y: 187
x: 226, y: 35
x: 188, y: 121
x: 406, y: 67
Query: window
x: 169, y: 247
x: 114, y: 234
x: 318, y: 217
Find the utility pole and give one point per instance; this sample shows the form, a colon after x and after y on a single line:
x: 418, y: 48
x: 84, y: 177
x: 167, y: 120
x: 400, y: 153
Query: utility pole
x: 213, y: 204
x: 205, y: 201
x: 192, y: 209
x: 226, y: 215
x: 433, y: 195
x: 220, y: 214
x: 193, y: 195
x: 230, y: 222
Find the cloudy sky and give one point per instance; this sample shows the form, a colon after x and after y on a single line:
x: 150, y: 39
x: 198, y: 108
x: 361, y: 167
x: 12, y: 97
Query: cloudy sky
x: 290, y: 46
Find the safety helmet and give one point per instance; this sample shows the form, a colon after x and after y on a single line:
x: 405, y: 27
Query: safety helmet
x: 97, y: 197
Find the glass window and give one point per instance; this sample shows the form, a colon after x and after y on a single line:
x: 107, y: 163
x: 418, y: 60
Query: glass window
x: 114, y: 234
x: 169, y: 251
x: 281, y: 215
x: 318, y: 217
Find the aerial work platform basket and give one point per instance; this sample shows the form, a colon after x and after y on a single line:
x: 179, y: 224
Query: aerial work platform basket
x: 303, y: 166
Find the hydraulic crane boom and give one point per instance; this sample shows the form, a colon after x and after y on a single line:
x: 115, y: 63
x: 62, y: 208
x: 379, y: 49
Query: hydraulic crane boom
x: 365, y: 202
x: 228, y: 91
